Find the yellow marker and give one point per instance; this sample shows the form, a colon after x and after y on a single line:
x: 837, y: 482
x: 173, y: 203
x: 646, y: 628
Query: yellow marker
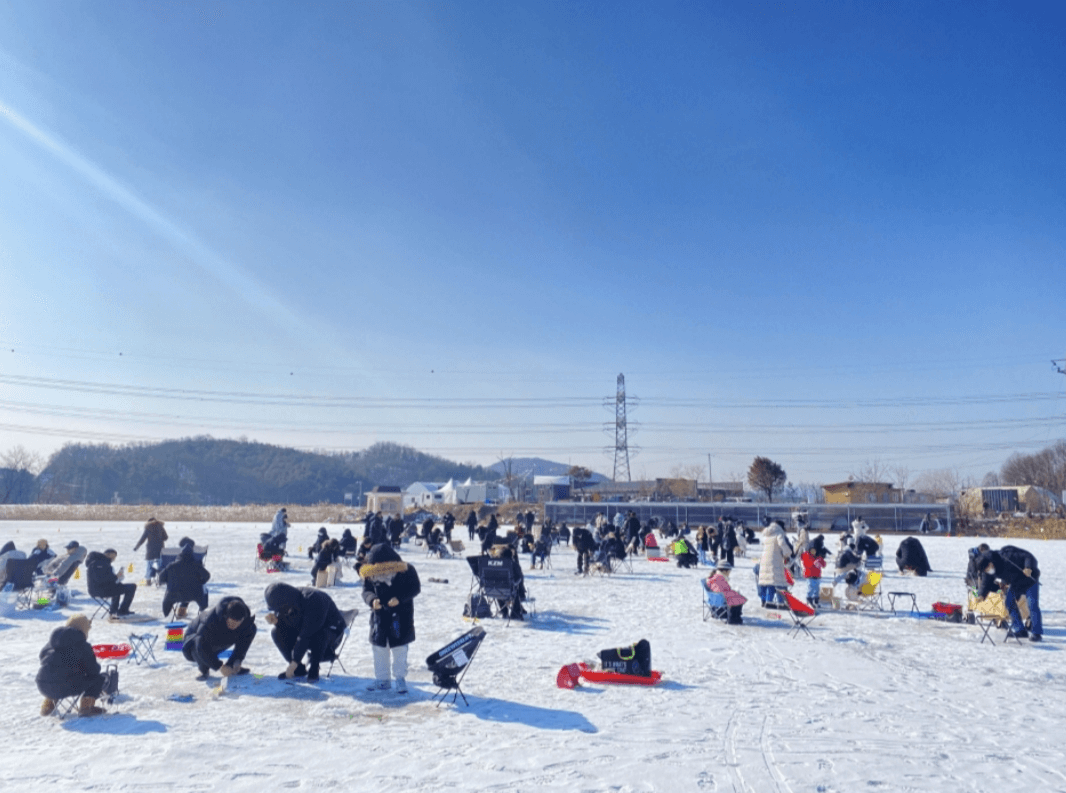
x: 130, y: 569
x: 77, y: 574
x: 301, y: 549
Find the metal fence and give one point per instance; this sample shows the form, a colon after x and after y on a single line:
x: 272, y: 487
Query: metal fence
x: 881, y: 518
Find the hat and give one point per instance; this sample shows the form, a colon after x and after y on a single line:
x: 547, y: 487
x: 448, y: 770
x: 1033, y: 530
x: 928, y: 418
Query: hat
x: 81, y: 622
x: 723, y: 566
x: 110, y: 550
x: 72, y: 545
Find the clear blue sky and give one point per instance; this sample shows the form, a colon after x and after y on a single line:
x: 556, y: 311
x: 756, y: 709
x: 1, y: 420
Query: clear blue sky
x: 827, y: 233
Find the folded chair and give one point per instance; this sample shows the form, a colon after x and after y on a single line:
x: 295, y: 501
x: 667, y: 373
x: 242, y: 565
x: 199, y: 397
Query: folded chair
x: 349, y: 618
x: 714, y: 604
x: 802, y: 614
x: 449, y: 665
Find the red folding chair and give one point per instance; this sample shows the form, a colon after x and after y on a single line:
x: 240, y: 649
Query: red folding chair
x: 802, y: 614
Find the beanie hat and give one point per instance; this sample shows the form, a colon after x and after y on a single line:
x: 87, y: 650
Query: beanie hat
x: 72, y: 545
x: 81, y: 622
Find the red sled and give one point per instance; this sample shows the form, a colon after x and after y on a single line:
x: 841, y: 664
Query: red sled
x: 111, y: 650
x: 596, y: 676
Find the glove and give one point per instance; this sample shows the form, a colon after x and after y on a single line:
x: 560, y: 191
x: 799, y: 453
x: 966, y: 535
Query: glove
x: 271, y: 618
x: 227, y: 670
x: 1028, y: 572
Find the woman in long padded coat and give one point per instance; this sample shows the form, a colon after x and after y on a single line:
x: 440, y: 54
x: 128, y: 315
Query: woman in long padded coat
x: 390, y: 586
x: 776, y: 554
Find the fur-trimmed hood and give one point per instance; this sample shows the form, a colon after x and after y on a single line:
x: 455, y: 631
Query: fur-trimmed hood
x: 382, y: 562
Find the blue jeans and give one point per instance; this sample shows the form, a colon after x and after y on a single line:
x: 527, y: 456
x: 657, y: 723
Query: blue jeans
x: 703, y: 556
x: 1032, y: 597
x: 812, y: 588
x: 769, y: 594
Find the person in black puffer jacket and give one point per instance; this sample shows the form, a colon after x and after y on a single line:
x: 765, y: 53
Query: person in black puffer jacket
x: 104, y: 583
x: 1017, y: 569
x: 327, y: 555
x: 306, y: 622
x: 68, y: 668
x: 228, y: 624
x: 184, y: 579
x: 390, y: 586
x: 910, y: 556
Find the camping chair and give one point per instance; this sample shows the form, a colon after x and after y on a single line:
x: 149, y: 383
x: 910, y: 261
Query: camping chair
x: 450, y: 664
x: 802, y: 614
x: 545, y: 554
x: 168, y: 555
x: 349, y: 618
x: 142, y: 648
x: 497, y: 582
x: 714, y: 604
x: 20, y: 576
x: 874, y: 563
x: 870, y: 592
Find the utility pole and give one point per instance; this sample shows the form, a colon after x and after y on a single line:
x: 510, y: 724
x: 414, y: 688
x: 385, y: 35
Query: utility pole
x: 710, y: 476
x: 621, y: 433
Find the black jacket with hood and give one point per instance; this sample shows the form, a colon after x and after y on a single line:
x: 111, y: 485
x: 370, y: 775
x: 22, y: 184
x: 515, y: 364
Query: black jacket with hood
x: 213, y: 635
x: 386, y: 576
x: 185, y: 577
x: 68, y: 665
x: 305, y: 611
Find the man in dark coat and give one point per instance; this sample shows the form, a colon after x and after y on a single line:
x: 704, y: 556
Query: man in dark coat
x: 184, y: 579
x: 1017, y: 569
x: 585, y: 545
x: 427, y: 529
x: 41, y: 555
x: 471, y: 524
x: 396, y: 531
x: 104, y: 583
x: 306, y: 622
x: 320, y: 540
x: 228, y: 624
x: 327, y: 555
x: 154, y: 537
x: 348, y: 542
x: 68, y: 668
x: 390, y: 586
x: 377, y: 530
x: 449, y: 524
x: 910, y: 555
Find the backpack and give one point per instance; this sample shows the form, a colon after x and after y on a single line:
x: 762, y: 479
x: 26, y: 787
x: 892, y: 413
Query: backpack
x: 477, y: 607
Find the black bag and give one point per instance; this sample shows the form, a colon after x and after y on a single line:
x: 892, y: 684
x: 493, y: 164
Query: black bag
x: 632, y: 660
x: 110, y: 688
x: 477, y: 608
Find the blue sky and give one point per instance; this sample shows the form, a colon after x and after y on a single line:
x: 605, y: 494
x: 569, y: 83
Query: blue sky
x: 830, y: 234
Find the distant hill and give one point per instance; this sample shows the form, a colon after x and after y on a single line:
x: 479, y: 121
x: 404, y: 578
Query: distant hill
x: 206, y: 471
x: 536, y: 466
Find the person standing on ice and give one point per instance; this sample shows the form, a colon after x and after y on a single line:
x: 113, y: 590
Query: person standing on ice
x: 153, y: 537
x: 280, y: 525
x: 776, y: 555
x: 306, y: 622
x: 390, y: 586
x: 471, y: 524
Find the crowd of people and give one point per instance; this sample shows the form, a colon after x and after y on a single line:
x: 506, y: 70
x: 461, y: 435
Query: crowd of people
x: 307, y: 626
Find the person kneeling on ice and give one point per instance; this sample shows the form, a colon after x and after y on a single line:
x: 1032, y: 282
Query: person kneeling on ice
x: 718, y: 581
x: 228, y: 624
x: 306, y: 622
x: 69, y: 668
x: 390, y: 586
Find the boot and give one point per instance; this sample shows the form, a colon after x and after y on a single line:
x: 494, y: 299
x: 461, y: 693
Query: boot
x: 182, y: 612
x: 48, y: 706
x: 87, y: 707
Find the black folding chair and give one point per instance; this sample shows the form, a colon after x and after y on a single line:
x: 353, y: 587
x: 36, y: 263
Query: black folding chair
x: 349, y: 618
x: 498, y: 583
x: 449, y: 665
x: 20, y: 576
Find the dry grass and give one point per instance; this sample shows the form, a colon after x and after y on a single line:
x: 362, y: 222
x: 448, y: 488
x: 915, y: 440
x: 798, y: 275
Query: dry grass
x: 1042, y: 528
x: 236, y: 513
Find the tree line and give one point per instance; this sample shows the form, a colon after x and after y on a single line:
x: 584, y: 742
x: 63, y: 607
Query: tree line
x: 207, y: 471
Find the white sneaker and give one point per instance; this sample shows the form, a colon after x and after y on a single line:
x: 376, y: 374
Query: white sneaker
x: 401, y: 685
x: 379, y: 685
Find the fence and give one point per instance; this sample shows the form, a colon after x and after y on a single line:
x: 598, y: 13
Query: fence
x: 881, y: 518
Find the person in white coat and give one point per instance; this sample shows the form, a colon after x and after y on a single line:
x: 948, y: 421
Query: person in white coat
x: 776, y: 555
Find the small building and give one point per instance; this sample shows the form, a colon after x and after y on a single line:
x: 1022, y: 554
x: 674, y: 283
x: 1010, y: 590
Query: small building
x: 551, y: 488
x: 386, y: 499
x: 862, y: 493
x: 1010, y: 498
x: 422, y: 494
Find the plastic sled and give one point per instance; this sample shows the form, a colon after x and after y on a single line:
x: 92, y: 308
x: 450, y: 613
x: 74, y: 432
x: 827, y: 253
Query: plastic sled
x: 616, y: 678
x: 111, y: 650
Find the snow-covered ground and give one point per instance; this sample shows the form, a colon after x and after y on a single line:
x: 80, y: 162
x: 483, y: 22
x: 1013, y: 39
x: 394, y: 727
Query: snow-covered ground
x: 874, y: 702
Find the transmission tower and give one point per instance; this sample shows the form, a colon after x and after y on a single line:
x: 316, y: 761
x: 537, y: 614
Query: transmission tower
x: 621, y: 433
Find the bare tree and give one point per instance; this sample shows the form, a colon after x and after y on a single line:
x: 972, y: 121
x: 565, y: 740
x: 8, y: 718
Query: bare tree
x: 900, y: 474
x: 507, y: 469
x: 766, y: 476
x: 694, y: 472
x: 579, y: 475
x: 940, y: 482
x: 19, y: 468
x: 871, y: 471
x: 1046, y: 468
x: 991, y: 479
